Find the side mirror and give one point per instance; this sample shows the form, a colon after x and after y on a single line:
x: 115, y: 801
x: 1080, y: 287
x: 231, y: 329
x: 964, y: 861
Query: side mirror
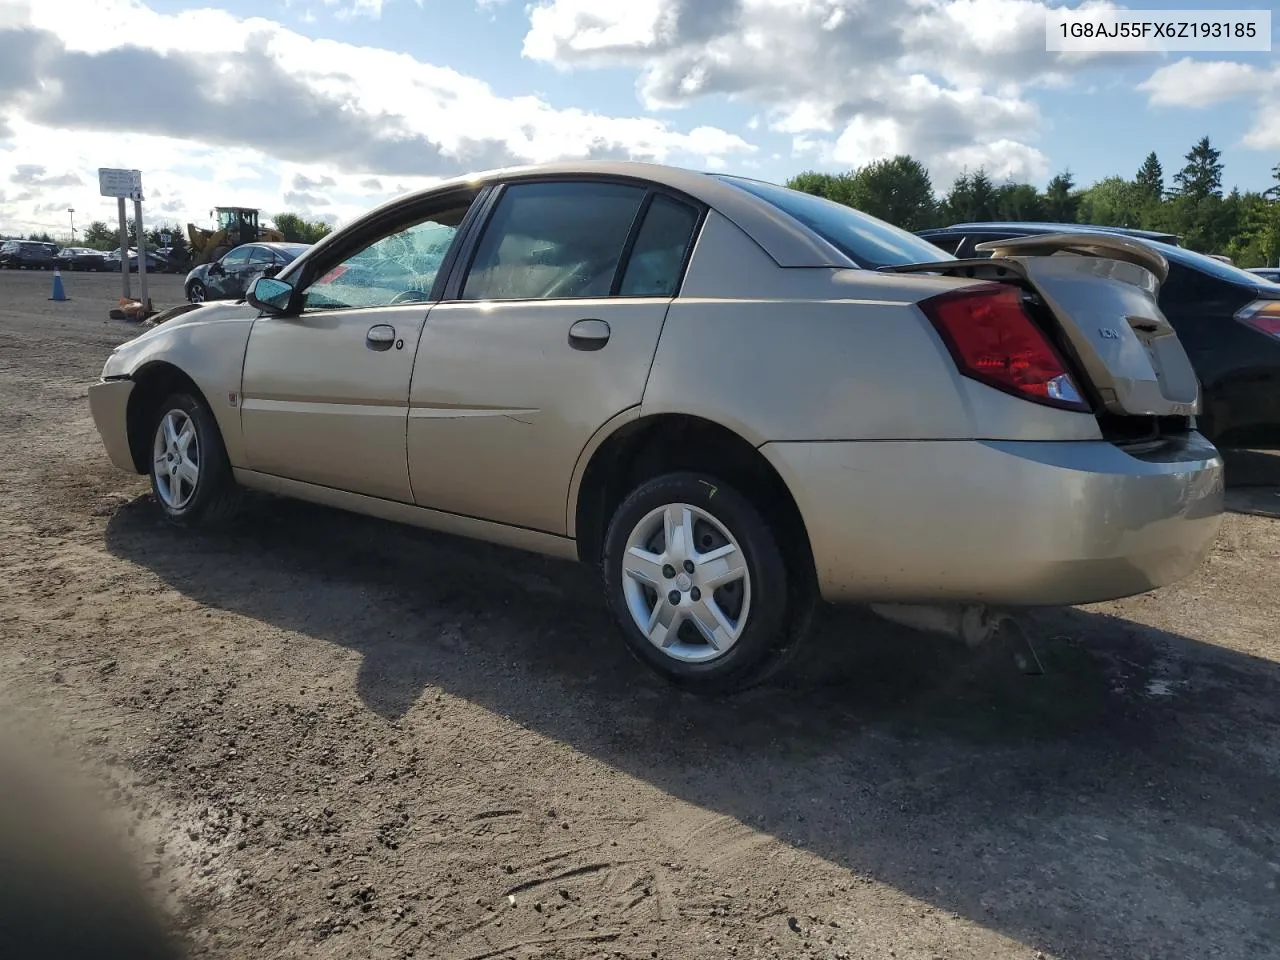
x: 270, y: 295
x: 216, y: 269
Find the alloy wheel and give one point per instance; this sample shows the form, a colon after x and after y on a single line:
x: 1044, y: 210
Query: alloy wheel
x: 176, y: 459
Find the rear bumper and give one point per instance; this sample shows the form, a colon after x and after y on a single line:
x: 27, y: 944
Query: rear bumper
x: 1002, y: 522
x: 109, y: 403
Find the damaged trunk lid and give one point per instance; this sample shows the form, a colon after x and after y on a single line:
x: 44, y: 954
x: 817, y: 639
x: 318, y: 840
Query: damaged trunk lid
x: 1101, y: 291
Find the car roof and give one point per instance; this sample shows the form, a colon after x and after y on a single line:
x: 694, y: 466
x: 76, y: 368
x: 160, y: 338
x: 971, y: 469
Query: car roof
x: 1040, y: 226
x: 785, y: 239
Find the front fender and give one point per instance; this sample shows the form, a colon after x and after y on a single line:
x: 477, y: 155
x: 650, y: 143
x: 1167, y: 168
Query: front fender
x: 208, y: 345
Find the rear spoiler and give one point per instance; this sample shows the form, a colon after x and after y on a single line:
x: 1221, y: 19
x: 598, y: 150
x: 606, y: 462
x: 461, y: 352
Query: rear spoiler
x: 1111, y: 246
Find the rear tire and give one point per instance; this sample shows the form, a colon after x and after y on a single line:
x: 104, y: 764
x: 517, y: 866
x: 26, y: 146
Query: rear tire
x: 190, y: 473
x: 739, y: 614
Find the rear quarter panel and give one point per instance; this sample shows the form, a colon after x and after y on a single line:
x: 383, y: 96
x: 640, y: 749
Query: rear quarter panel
x: 789, y: 354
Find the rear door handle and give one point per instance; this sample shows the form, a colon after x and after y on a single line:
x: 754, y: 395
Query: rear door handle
x: 380, y: 337
x: 589, y: 334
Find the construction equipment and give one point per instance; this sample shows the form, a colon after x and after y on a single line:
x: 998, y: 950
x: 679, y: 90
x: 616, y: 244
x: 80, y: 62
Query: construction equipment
x: 235, y: 225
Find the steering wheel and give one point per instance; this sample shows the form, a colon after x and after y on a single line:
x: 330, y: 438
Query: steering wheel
x: 408, y: 296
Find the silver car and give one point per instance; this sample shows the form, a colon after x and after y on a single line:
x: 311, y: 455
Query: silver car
x: 732, y: 398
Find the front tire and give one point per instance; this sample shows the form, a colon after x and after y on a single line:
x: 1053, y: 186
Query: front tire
x: 196, y: 292
x: 190, y: 473
x: 696, y: 579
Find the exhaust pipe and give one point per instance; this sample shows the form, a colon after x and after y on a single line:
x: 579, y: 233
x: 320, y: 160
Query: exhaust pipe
x: 972, y: 623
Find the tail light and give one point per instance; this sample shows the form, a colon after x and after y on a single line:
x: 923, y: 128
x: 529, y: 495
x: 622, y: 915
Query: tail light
x: 993, y: 340
x: 1263, y: 316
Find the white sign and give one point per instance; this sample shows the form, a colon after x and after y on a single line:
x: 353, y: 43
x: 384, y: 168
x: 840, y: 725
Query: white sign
x: 120, y: 183
x: 166, y: 239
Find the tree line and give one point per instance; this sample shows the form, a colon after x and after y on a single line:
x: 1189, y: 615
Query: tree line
x: 1243, y: 226
x: 99, y: 235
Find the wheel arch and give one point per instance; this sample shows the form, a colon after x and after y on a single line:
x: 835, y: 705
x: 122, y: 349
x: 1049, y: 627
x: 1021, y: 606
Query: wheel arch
x: 632, y: 448
x: 153, y: 381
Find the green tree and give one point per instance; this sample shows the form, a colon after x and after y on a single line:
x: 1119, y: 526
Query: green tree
x: 972, y: 197
x: 897, y: 190
x: 1061, y: 204
x: 1202, y: 175
x: 297, y: 229
x: 1114, y: 202
x: 1150, y: 177
x: 99, y: 236
x: 1019, y: 201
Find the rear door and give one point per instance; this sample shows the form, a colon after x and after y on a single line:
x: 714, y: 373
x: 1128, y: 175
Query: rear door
x: 548, y: 332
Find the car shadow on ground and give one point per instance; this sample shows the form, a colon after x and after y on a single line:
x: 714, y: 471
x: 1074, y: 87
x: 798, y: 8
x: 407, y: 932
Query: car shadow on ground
x: 1122, y: 803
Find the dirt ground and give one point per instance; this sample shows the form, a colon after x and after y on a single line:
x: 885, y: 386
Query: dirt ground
x: 338, y: 738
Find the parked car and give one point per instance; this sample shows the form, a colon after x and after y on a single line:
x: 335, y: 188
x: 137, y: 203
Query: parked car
x: 961, y: 239
x: 1228, y: 320
x: 730, y: 397
x: 81, y: 258
x: 155, y: 263
x: 27, y: 255
x: 1267, y: 273
x: 229, y: 278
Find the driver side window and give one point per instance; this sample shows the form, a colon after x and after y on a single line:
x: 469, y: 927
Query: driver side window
x: 236, y: 258
x: 398, y: 267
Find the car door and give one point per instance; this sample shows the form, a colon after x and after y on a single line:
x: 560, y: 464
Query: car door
x: 544, y: 335
x: 260, y: 260
x: 324, y: 397
x: 221, y: 282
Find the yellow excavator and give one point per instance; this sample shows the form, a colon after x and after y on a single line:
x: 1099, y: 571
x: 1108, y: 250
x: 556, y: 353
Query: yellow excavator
x: 236, y: 225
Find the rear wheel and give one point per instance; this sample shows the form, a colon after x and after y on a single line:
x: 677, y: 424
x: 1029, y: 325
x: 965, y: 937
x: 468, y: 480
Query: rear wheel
x: 190, y: 473
x: 697, y: 582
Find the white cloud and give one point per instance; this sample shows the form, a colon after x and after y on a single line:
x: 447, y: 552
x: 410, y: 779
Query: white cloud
x: 239, y: 107
x: 944, y: 80
x: 1204, y: 83
x: 1207, y: 83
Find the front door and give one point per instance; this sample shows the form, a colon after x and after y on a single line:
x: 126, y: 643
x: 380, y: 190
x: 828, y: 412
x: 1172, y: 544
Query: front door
x: 550, y: 333
x: 325, y: 393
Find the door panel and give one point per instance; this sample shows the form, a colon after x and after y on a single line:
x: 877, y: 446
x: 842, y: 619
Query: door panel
x: 324, y: 402
x: 502, y: 403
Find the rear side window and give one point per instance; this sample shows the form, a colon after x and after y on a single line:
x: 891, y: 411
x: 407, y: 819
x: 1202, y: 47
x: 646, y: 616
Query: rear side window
x: 553, y: 241
x: 653, y: 269
x: 864, y: 239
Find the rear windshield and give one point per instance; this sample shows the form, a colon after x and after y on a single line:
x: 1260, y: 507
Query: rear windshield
x: 865, y: 240
x: 1207, y: 264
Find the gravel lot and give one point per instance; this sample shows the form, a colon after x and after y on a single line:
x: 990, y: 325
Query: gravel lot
x: 343, y: 739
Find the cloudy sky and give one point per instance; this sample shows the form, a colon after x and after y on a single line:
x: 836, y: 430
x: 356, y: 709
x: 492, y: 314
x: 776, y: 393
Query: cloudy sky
x: 326, y: 107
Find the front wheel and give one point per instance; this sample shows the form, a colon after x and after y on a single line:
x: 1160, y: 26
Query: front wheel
x: 190, y: 473
x: 196, y: 292
x: 697, y: 582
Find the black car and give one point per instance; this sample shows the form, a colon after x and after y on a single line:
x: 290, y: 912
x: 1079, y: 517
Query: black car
x: 230, y: 277
x: 960, y: 238
x: 28, y: 255
x: 81, y: 258
x: 1228, y: 320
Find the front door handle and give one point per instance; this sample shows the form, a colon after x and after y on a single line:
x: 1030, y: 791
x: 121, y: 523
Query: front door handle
x: 590, y: 334
x: 380, y: 337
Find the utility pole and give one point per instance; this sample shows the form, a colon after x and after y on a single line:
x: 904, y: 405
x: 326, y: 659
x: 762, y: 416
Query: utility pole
x: 72, y: 211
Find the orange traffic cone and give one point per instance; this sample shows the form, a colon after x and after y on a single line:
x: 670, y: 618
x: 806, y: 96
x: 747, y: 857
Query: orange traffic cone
x: 58, y: 292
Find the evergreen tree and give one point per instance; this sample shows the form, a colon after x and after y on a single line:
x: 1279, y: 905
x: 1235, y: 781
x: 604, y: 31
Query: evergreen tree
x: 1202, y: 176
x: 1151, y: 176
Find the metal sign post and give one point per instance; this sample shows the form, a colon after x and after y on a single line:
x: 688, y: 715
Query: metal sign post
x: 126, y: 185
x: 142, y: 255
x: 124, y: 250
